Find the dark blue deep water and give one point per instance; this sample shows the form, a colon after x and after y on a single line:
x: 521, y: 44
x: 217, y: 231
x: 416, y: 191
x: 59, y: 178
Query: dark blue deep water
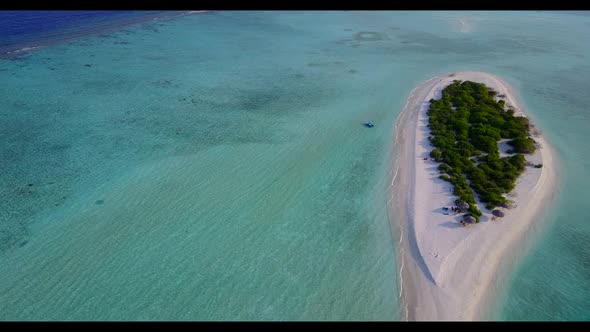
x: 32, y: 28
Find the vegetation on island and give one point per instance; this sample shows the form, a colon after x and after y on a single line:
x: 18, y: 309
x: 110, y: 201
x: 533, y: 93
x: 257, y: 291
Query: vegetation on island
x: 466, y: 125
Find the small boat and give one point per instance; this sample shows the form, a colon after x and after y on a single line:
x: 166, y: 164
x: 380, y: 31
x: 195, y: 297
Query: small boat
x: 369, y: 124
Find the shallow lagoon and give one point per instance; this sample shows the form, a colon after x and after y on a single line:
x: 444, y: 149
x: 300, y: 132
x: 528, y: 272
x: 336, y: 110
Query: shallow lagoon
x: 215, y: 166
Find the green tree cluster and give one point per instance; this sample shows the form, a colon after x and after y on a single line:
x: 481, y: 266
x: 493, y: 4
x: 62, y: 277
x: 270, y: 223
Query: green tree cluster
x: 466, y: 125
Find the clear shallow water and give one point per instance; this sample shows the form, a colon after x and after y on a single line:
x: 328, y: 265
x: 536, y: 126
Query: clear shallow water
x: 214, y: 167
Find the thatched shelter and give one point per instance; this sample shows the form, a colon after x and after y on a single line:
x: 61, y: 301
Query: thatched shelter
x: 463, y: 207
x: 498, y: 213
x: 469, y: 220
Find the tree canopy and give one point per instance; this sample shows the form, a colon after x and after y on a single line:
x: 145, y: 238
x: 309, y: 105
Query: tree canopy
x: 466, y: 125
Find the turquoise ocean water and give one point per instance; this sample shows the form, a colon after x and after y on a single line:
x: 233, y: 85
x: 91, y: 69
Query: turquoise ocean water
x: 215, y: 167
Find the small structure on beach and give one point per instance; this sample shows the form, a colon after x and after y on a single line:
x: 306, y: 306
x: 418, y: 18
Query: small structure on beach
x: 462, y: 206
x: 505, y: 205
x: 498, y: 213
x: 467, y: 219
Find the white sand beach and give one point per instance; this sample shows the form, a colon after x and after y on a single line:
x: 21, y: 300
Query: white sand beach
x: 446, y: 269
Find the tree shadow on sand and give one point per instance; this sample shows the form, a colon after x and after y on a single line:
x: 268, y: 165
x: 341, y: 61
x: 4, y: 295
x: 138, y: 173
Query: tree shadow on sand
x: 450, y: 224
